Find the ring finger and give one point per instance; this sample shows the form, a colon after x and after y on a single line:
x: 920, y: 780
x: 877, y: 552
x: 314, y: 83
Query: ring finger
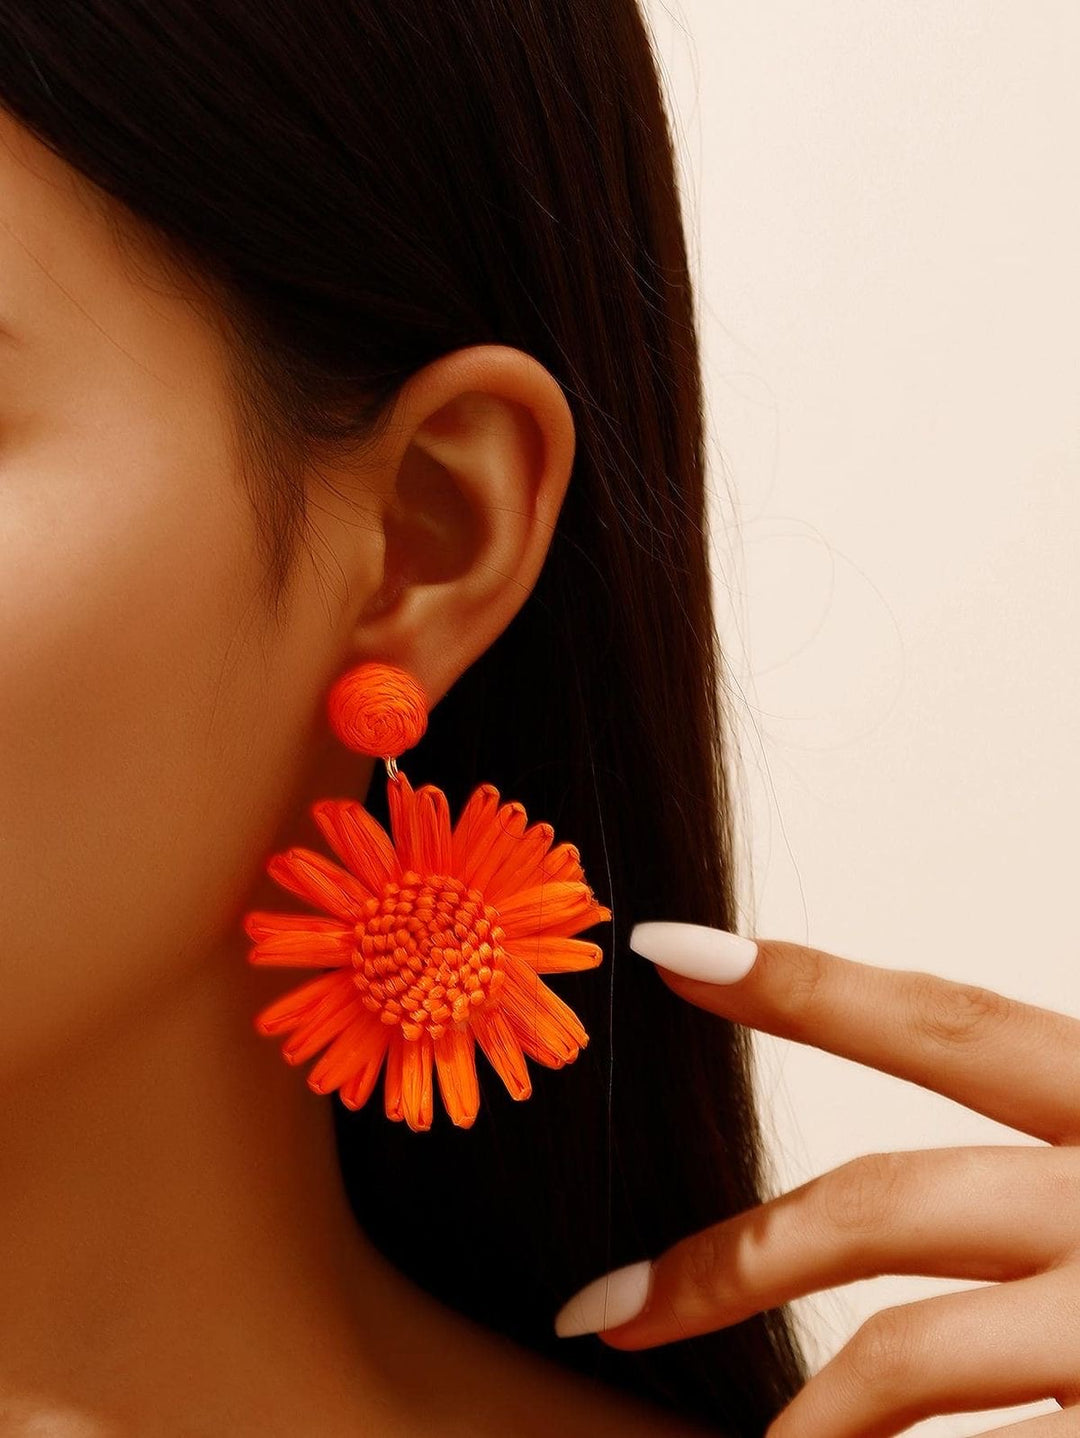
x: 990, y: 1212
x: 986, y: 1348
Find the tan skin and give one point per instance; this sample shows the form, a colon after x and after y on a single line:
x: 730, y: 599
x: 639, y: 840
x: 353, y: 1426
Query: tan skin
x: 176, y: 1251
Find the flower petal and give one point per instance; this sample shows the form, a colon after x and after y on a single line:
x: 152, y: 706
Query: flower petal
x: 502, y: 1050
x: 499, y: 843
x: 321, y: 882
x: 395, y: 1056
x: 473, y: 821
x: 551, y: 907
x: 564, y: 862
x: 299, y: 940
x: 416, y: 1088
x: 324, y: 1023
x: 554, y: 954
x: 356, y: 1091
x: 404, y: 822
x: 359, y: 841
x: 433, y: 822
x: 522, y: 867
x: 261, y: 924
x: 348, y: 1053
x: 545, y: 1025
x: 455, y: 1062
x: 300, y: 1003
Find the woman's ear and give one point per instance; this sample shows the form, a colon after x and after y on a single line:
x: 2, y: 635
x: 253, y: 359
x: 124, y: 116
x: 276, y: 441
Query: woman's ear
x: 473, y: 469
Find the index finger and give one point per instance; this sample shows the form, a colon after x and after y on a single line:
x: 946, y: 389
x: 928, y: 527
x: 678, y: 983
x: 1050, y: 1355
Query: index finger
x: 1017, y: 1063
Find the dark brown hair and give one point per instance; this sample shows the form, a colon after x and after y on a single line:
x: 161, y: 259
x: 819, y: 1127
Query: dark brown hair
x: 365, y: 186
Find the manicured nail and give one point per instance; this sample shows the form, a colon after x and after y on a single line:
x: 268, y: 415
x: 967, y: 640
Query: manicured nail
x: 695, y: 950
x: 611, y: 1299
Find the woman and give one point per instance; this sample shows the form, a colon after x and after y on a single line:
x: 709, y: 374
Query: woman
x: 312, y: 309
x: 335, y: 332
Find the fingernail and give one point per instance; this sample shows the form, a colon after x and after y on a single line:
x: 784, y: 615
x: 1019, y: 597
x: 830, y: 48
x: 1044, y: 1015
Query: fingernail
x: 613, y: 1298
x: 695, y: 950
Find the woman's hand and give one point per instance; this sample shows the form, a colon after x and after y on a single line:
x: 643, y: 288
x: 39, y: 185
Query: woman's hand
x: 1008, y: 1215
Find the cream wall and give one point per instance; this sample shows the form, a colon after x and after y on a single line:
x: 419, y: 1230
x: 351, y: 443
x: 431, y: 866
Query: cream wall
x: 883, y: 212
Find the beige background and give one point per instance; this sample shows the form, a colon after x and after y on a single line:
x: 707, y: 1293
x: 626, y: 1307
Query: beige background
x: 882, y: 205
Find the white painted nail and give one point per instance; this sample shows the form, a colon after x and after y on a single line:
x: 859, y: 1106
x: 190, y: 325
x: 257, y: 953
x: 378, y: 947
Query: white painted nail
x: 613, y: 1298
x: 695, y: 950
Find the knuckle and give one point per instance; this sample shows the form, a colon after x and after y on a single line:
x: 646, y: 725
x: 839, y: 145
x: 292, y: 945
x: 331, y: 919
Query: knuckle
x: 885, y: 1355
x: 805, y: 987
x: 858, y: 1197
x: 1062, y: 1177
x: 953, y: 1014
x: 701, y: 1266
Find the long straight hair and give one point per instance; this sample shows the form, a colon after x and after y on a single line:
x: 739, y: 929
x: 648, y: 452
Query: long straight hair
x: 364, y: 187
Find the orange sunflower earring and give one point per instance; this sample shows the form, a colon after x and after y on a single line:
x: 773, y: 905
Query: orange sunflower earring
x: 434, y: 939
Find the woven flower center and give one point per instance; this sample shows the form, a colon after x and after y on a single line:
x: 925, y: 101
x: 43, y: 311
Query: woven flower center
x: 428, y: 953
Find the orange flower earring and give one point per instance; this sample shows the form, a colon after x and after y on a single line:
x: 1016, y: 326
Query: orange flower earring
x: 433, y: 938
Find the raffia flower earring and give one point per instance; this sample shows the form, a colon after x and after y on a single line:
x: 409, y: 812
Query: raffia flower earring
x: 434, y: 938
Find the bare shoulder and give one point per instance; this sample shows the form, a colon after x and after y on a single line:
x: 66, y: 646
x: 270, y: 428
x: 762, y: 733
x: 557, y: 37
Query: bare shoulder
x: 580, y: 1408
x: 479, y: 1383
x: 528, y: 1396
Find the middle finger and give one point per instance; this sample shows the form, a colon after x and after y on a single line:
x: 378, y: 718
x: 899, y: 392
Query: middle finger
x: 986, y: 1213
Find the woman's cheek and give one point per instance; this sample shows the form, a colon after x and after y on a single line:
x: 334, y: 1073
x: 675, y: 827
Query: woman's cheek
x: 126, y: 690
